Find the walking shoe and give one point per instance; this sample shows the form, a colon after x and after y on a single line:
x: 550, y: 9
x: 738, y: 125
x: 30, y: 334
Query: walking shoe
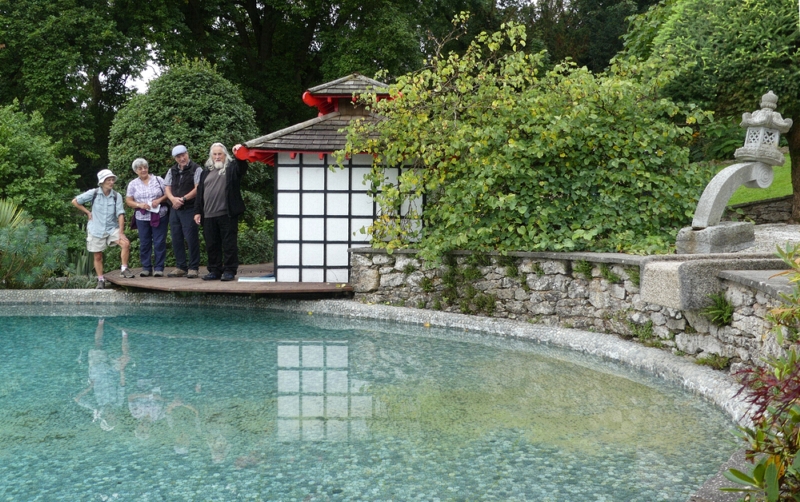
x: 192, y: 274
x: 158, y: 273
x: 127, y: 273
x: 101, y: 284
x: 227, y: 276
x: 210, y: 277
x: 178, y: 272
x: 144, y: 273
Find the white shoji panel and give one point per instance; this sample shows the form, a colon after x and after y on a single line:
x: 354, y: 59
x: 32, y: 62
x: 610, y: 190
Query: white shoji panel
x: 313, y: 204
x: 288, y: 178
x: 313, y: 159
x: 356, y: 225
x: 358, y: 182
x: 288, y: 229
x: 286, y: 158
x: 313, y: 178
x: 360, y: 204
x: 313, y: 275
x: 288, y: 203
x: 338, y: 230
x: 313, y: 229
x: 390, y: 175
x: 337, y: 204
x: 313, y: 254
x: 337, y: 275
x: 337, y: 255
x: 288, y: 254
x: 288, y: 275
x: 338, y: 179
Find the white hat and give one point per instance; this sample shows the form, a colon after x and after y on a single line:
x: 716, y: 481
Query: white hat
x: 102, y: 175
x: 178, y: 150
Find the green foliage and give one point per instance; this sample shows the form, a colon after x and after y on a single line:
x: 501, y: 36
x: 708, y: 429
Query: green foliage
x: 720, y: 312
x: 191, y: 104
x: 479, y: 260
x: 715, y: 361
x: 584, y: 268
x: 409, y: 269
x: 32, y: 172
x: 642, y: 332
x: 633, y: 275
x: 511, y: 155
x: 27, y: 257
x: 426, y: 284
x: 256, y: 244
x: 607, y: 274
x: 537, y: 269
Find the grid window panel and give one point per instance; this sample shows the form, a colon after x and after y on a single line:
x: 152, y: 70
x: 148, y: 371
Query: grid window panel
x: 313, y: 229
x: 312, y: 406
x: 288, y: 229
x: 336, y: 406
x: 313, y: 159
x: 313, y: 254
x: 288, y: 430
x: 288, y: 381
x: 361, y: 204
x: 360, y: 406
x: 314, y: 178
x: 313, y: 356
x: 313, y: 430
x: 286, y: 158
x: 337, y: 356
x: 337, y: 275
x: 313, y: 275
x: 288, y: 254
x: 313, y: 204
x: 362, y: 159
x: 356, y: 224
x: 337, y: 255
x: 336, y: 381
x: 288, y: 275
x: 358, y: 182
x: 288, y: 203
x: 288, y: 356
x: 313, y: 382
x: 288, y: 178
x: 336, y: 430
x: 288, y: 406
x: 338, y: 204
x: 338, y: 179
x: 338, y: 230
x: 390, y: 175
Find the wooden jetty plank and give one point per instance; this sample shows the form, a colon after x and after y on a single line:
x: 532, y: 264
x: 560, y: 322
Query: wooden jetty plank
x: 182, y: 284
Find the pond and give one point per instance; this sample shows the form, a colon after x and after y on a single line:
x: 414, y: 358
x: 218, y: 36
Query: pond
x: 180, y: 403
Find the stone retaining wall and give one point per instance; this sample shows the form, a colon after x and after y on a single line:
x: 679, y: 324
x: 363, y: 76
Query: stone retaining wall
x: 777, y: 210
x: 592, y: 291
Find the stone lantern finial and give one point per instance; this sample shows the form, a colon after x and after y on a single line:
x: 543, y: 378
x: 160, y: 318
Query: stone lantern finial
x: 764, y: 128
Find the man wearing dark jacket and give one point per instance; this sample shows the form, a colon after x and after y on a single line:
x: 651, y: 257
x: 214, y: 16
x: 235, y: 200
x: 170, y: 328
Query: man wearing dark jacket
x: 181, y: 188
x: 219, y: 205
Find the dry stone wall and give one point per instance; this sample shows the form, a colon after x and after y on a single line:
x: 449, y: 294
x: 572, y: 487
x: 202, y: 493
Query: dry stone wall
x: 595, y: 292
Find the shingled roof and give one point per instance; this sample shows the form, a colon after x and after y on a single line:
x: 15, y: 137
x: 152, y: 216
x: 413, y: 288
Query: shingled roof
x: 349, y: 85
x: 322, y: 134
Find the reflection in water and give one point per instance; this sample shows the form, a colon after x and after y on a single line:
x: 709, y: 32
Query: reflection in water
x: 317, y: 399
x: 199, y: 405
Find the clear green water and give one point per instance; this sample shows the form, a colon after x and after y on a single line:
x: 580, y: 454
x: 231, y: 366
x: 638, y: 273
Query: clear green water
x: 194, y: 404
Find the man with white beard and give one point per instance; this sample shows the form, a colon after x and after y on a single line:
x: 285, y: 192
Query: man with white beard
x: 219, y: 205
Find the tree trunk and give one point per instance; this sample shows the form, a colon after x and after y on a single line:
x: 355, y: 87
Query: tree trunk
x: 793, y: 138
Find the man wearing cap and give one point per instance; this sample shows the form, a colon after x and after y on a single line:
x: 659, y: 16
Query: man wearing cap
x: 181, y: 187
x: 106, y: 225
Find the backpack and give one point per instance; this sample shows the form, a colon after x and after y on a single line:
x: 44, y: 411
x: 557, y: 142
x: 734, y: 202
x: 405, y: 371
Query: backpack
x: 116, y: 195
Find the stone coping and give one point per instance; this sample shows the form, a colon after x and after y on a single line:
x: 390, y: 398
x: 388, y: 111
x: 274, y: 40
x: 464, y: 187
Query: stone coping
x: 712, y: 385
x: 766, y: 281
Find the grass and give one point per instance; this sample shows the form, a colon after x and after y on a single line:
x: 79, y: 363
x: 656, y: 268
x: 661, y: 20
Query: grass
x: 780, y: 187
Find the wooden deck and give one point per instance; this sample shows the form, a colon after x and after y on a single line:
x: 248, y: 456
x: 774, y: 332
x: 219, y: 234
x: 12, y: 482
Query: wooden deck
x: 182, y: 284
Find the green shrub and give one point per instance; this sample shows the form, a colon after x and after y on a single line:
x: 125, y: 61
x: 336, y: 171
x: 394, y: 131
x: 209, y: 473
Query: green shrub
x: 515, y: 154
x: 720, y: 312
x: 257, y: 245
x: 426, y: 284
x: 715, y: 361
x: 633, y: 275
x: 28, y: 258
x: 607, y: 274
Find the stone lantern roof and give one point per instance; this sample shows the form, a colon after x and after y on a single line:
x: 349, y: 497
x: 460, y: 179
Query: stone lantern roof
x: 336, y: 104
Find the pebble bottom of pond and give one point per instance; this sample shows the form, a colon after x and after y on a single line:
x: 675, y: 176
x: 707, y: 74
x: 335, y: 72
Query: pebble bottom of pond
x: 153, y: 404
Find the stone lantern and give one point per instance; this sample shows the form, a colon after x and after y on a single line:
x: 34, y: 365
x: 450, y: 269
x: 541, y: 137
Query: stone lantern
x: 754, y: 170
x: 764, y: 128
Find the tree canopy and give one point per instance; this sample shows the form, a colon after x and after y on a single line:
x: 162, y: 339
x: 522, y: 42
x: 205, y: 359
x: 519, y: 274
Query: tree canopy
x: 512, y: 155
x: 724, y: 55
